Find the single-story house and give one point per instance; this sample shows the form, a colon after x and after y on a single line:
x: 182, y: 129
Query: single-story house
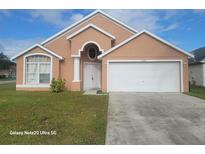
x: 101, y: 52
x: 7, y: 68
x: 197, y: 67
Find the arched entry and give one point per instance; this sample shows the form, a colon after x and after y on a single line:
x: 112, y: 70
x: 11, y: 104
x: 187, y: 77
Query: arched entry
x: 91, y: 66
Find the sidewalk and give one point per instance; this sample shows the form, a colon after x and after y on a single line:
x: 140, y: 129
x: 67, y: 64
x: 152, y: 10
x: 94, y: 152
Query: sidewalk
x: 6, y: 82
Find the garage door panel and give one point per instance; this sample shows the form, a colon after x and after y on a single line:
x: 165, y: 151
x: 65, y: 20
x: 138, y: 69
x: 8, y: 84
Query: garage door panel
x: 144, y: 77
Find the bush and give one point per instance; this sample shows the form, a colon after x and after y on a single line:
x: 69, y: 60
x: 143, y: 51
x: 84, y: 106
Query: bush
x: 57, y: 85
x: 2, y: 76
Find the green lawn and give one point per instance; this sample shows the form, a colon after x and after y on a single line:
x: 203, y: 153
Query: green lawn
x: 197, y: 91
x: 76, y: 118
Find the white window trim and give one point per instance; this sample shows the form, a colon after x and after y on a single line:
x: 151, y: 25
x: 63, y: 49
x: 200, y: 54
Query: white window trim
x: 24, y: 85
x: 88, y: 55
x: 150, y: 60
x: 32, y: 86
x: 75, y: 80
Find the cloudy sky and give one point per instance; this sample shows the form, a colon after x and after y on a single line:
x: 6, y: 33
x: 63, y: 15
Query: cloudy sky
x: 19, y: 29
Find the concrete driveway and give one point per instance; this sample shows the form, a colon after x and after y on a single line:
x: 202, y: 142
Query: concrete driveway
x: 155, y: 118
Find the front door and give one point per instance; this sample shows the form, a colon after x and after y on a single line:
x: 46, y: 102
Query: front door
x: 91, y: 76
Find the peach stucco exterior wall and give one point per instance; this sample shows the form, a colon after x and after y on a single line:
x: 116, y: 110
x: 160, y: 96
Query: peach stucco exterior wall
x: 78, y: 41
x: 19, y: 70
x: 145, y: 47
x: 20, y: 67
x: 104, y: 42
x: 63, y: 48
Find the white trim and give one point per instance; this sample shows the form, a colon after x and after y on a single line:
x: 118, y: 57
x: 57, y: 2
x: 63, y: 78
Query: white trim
x: 119, y: 22
x: 75, y: 56
x: 34, y: 46
x: 182, y: 75
x: 24, y: 68
x: 89, y: 42
x: 88, y: 54
x: 76, y: 69
x: 83, y: 46
x: 76, y: 81
x: 51, y: 52
x: 202, y: 61
x: 89, y: 62
x: 94, y: 27
x: 146, y: 60
x: 69, y: 27
x: 87, y: 17
x: 150, y: 60
x: 33, y: 86
x: 138, y: 34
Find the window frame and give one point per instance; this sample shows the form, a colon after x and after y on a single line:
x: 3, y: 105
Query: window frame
x: 25, y: 67
x: 88, y: 52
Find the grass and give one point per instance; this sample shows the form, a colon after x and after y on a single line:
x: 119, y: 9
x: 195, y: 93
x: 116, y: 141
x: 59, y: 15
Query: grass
x: 197, y: 91
x: 77, y: 119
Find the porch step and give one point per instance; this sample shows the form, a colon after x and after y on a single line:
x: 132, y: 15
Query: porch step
x: 90, y: 92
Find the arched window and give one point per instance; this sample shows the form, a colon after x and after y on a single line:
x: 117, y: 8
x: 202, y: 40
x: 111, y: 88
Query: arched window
x: 38, y: 69
x: 92, y: 52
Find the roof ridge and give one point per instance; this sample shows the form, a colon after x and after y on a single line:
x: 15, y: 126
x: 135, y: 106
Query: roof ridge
x: 85, y: 18
x: 94, y: 27
x: 149, y: 33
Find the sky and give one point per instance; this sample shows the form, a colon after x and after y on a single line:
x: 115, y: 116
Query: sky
x: 20, y: 29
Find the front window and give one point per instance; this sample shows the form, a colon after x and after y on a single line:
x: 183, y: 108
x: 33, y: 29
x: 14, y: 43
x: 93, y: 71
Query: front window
x: 92, y: 53
x: 38, y: 68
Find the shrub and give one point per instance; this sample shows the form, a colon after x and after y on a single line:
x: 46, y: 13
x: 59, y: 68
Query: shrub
x: 2, y: 76
x: 57, y: 85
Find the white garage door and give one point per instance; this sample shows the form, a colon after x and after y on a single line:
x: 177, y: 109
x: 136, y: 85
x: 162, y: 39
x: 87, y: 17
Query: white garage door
x: 144, y: 76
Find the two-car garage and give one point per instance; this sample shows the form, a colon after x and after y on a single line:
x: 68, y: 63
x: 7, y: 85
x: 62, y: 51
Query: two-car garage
x: 144, y: 76
x: 145, y: 63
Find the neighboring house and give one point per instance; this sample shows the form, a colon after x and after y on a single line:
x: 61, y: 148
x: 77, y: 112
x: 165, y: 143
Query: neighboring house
x: 4, y: 73
x: 8, y: 73
x: 101, y: 52
x: 197, y: 67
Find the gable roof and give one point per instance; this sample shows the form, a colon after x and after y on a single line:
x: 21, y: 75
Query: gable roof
x: 91, y: 26
x: 88, y: 17
x: 199, y: 56
x: 40, y: 46
x: 138, y: 34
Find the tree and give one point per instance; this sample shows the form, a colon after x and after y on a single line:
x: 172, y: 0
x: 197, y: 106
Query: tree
x: 3, y: 57
x: 5, y: 63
